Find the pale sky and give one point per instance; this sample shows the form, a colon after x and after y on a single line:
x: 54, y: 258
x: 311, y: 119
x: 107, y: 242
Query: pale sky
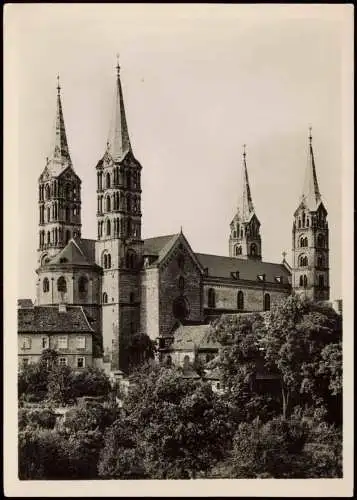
x: 198, y: 82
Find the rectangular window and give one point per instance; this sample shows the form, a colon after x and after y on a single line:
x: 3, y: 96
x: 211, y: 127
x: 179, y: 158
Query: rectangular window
x: 26, y: 343
x: 81, y: 342
x: 80, y: 362
x: 63, y: 342
x: 45, y: 343
x: 62, y: 361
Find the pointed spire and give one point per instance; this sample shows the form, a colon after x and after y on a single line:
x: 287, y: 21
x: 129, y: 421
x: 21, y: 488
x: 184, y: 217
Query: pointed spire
x: 311, y: 193
x: 118, y: 144
x: 246, y: 207
x: 60, y: 151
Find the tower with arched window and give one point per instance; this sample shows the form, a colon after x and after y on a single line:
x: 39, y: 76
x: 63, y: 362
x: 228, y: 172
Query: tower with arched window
x: 59, y: 195
x: 310, y: 275
x: 244, y: 239
x: 119, y: 244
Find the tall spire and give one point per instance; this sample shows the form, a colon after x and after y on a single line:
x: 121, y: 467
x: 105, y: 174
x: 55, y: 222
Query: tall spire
x: 60, y: 151
x: 118, y: 144
x: 246, y: 207
x: 311, y: 193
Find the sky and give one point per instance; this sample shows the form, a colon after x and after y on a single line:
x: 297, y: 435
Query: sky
x: 199, y: 81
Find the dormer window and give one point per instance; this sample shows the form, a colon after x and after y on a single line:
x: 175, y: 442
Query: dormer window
x: 261, y: 277
x: 279, y: 279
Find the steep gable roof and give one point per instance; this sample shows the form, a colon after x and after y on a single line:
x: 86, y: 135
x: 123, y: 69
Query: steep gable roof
x: 87, y: 247
x: 153, y: 246
x: 186, y: 337
x: 47, y: 319
x: 222, y: 267
x: 75, y: 252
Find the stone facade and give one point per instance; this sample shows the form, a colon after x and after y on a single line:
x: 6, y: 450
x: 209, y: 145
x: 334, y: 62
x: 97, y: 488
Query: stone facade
x: 127, y: 285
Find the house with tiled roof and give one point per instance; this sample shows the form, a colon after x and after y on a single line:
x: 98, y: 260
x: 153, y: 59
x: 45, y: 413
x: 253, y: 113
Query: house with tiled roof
x: 160, y: 286
x: 63, y: 328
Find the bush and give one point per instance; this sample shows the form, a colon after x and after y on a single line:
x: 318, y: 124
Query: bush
x: 274, y: 449
x: 42, y: 418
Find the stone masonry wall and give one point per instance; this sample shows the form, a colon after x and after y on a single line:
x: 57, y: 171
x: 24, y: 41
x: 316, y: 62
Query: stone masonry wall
x: 170, y: 272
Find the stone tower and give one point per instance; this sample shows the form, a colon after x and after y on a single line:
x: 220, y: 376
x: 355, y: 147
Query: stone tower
x: 119, y: 245
x: 244, y: 240
x: 310, y: 274
x: 59, y: 196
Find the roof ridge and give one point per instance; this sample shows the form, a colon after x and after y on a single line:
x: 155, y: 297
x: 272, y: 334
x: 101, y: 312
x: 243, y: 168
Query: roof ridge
x: 239, y: 259
x: 79, y: 248
x: 85, y: 316
x: 162, y: 236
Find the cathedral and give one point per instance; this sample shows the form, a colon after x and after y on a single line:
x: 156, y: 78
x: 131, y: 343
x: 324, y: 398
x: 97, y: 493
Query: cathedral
x: 94, y: 295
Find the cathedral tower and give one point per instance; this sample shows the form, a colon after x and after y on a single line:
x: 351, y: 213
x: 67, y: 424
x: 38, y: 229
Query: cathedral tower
x: 59, y: 195
x: 310, y: 275
x: 119, y: 245
x: 244, y: 240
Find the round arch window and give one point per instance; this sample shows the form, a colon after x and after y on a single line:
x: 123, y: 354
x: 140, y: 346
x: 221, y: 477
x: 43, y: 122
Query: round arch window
x: 61, y: 284
x: 180, y: 308
x: 46, y: 285
x: 83, y: 285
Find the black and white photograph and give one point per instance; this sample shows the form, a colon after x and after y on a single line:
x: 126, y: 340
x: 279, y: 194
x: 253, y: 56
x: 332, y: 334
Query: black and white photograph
x: 180, y: 233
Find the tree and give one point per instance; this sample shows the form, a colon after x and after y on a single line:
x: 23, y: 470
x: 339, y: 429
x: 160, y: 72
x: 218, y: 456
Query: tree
x: 295, y: 334
x: 139, y: 350
x: 91, y: 382
x: 43, y: 418
x: 60, y: 385
x: 271, y: 449
x: 178, y: 427
x: 239, y: 361
x: 40, y: 454
x: 32, y: 380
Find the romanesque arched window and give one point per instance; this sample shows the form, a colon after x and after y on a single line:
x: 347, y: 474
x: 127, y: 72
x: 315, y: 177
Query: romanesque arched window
x: 304, y: 241
x: 62, y: 284
x: 301, y: 281
x: 267, y: 302
x: 68, y: 236
x: 108, y: 227
x: 48, y: 237
x: 299, y: 223
x: 303, y: 261
x: 107, y: 204
x: 211, y: 298
x: 305, y: 281
x: 83, y: 285
x: 107, y: 180
x: 128, y: 203
x: 105, y: 298
x: 234, y: 234
x: 240, y: 301
x: 46, y: 285
x: 130, y: 259
x: 47, y: 191
x: 238, y: 250
x: 181, y: 283
x: 320, y: 241
x: 253, y: 249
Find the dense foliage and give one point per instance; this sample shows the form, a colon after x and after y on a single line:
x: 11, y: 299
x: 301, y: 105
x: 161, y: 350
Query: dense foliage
x: 279, y: 416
